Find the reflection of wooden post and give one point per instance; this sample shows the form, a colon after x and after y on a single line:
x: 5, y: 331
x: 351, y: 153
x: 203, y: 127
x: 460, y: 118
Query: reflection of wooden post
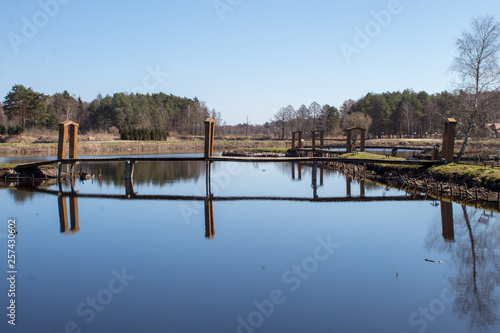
x: 129, y: 178
x: 209, y: 219
x: 209, y: 137
x: 63, y: 214
x: 293, y: 170
x: 348, y: 185
x: 73, y: 208
x: 363, y: 138
x: 362, y: 188
x: 61, y: 146
x: 349, y: 146
x: 449, y: 140
x: 447, y: 221
x: 321, y: 174
x: 299, y: 170
x: 314, y: 182
x: 208, y: 173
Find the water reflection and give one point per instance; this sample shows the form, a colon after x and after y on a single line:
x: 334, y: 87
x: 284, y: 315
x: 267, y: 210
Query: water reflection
x: 471, y: 239
x: 63, y: 214
x: 208, y: 198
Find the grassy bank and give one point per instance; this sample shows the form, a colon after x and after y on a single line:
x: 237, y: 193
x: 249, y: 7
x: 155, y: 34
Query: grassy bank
x: 469, y: 174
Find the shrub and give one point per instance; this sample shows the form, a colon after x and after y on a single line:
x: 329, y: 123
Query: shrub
x: 3, y: 129
x: 15, y: 130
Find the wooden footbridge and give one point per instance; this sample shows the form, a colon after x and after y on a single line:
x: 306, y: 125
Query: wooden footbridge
x: 316, y: 157
x: 317, y: 152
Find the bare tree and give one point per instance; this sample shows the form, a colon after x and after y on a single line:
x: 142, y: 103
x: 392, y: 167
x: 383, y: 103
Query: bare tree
x: 477, y: 66
x: 314, y: 110
x: 281, y: 119
x: 407, y: 115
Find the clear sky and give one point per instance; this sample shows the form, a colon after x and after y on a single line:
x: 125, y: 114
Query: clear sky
x: 243, y: 57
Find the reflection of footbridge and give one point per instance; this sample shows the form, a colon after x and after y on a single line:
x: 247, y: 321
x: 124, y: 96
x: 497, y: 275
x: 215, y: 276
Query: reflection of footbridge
x: 129, y: 194
x: 317, y: 162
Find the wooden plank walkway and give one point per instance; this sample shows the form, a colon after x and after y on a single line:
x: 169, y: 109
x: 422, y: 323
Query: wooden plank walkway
x: 232, y: 159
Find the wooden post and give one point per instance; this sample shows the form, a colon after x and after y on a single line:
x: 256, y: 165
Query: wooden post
x: 73, y: 140
x: 349, y: 146
x: 300, y: 139
x: 449, y: 139
x: 363, y: 139
x: 209, y: 137
x: 321, y: 139
x: 61, y: 146
x: 293, y: 140
x: 313, y: 133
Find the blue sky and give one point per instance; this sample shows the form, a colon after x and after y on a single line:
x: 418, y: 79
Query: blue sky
x: 243, y: 57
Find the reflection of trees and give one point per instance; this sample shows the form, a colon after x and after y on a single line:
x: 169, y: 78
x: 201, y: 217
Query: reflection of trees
x: 476, y: 255
x: 21, y: 196
x: 158, y: 173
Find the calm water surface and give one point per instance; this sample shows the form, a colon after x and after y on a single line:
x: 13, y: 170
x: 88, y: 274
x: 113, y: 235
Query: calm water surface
x: 275, y: 260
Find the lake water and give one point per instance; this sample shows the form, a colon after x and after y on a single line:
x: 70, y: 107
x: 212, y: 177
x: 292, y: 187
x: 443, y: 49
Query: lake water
x: 265, y: 251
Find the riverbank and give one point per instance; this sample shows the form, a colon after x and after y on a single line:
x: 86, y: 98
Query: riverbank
x: 132, y: 147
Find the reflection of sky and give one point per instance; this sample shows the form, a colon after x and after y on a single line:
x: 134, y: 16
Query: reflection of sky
x: 186, y: 283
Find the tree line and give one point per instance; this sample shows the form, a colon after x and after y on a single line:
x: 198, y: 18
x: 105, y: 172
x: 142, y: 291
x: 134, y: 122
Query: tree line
x: 126, y: 113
